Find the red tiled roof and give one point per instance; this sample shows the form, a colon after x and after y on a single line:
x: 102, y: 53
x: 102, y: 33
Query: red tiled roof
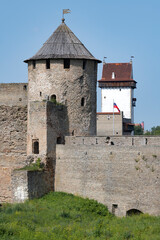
x: 122, y: 72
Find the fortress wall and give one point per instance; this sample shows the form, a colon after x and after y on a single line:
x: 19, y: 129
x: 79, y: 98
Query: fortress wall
x: 5, y: 184
x: 13, y: 133
x: 46, y: 122
x: 13, y: 94
x: 115, y: 140
x: 57, y: 126
x: 28, y: 185
x: 122, y: 178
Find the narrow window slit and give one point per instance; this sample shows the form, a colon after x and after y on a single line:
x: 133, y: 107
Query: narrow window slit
x: 82, y: 102
x: 48, y: 64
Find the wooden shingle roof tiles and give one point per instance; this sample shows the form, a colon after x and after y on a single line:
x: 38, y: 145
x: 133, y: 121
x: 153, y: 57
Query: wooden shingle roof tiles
x: 63, y: 44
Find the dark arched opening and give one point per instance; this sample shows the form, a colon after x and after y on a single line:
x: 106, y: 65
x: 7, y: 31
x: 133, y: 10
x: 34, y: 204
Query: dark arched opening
x: 53, y: 97
x: 133, y: 212
x: 25, y: 87
x: 35, y: 147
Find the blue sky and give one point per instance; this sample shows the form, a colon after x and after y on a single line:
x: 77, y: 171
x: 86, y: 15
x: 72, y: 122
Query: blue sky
x: 116, y: 29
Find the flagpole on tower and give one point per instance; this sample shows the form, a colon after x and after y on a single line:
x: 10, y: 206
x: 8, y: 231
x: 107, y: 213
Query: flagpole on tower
x: 65, y: 11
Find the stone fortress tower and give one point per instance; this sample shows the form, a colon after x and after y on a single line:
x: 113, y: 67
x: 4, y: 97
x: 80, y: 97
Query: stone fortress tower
x: 65, y: 71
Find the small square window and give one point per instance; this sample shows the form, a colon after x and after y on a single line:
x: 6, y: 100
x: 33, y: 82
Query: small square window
x: 67, y: 63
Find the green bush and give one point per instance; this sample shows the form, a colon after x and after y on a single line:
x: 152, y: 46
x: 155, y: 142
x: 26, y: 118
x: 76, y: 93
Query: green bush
x: 63, y: 216
x: 37, y: 166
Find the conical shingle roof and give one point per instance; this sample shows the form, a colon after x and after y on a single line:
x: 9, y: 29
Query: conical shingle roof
x: 63, y: 44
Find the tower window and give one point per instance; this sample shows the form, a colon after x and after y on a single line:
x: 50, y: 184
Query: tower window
x: 48, y: 64
x: 82, y: 102
x: 113, y: 75
x: 34, y: 64
x: 53, y: 97
x: 25, y: 87
x: 35, y: 147
x: 60, y: 140
x: 40, y: 94
x: 66, y: 63
x: 84, y: 64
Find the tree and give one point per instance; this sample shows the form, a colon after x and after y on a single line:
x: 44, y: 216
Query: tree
x: 153, y: 131
x: 138, y: 130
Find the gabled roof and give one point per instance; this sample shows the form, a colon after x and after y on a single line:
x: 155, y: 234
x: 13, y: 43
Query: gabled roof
x: 120, y: 71
x: 63, y: 44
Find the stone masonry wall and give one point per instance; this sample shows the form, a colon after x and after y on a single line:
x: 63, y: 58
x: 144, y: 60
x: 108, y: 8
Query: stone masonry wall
x: 69, y: 86
x: 28, y: 185
x: 13, y: 134
x: 47, y: 124
x: 123, y: 177
x: 13, y: 94
x: 105, y: 124
x: 122, y: 141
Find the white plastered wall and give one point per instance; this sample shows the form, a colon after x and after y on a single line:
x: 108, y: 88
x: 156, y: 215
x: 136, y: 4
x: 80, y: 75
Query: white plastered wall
x: 122, y: 97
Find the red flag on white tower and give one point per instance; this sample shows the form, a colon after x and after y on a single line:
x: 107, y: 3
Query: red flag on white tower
x: 115, y: 106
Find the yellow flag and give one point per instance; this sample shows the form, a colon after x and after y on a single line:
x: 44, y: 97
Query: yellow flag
x: 65, y: 11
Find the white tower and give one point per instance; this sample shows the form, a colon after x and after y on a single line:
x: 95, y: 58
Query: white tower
x: 117, y: 85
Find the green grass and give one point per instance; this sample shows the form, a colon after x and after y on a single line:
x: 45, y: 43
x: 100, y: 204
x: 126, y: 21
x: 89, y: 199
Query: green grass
x: 60, y: 216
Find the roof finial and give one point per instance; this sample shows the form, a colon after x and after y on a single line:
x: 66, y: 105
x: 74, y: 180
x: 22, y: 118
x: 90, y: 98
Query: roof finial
x: 104, y: 58
x: 65, y: 11
x: 131, y: 59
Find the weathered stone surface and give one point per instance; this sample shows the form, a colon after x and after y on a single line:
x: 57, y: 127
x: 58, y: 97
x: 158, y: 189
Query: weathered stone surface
x: 69, y: 86
x: 13, y: 94
x: 29, y: 184
x: 13, y: 134
x: 122, y: 175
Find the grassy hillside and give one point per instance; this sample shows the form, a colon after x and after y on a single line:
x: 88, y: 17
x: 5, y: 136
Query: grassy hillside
x: 60, y: 216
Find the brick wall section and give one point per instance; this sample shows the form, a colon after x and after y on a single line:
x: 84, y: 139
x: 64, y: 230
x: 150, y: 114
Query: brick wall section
x: 13, y: 94
x: 124, y: 175
x: 13, y: 133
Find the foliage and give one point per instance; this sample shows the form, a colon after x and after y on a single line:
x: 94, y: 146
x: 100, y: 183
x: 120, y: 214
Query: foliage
x: 63, y: 216
x: 37, y: 166
x: 138, y: 130
x: 153, y: 131
x: 55, y: 102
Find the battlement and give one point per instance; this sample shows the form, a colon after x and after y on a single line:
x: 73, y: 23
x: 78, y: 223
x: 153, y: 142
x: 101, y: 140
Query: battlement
x: 114, y: 140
